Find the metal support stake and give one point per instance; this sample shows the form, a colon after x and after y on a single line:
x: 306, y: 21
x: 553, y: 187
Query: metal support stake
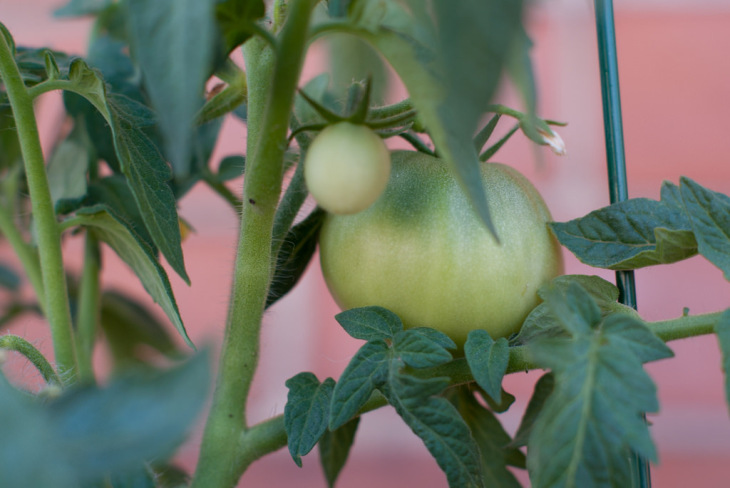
x: 616, y: 161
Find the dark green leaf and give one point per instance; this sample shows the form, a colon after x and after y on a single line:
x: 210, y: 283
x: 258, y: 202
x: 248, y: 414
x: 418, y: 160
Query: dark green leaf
x: 543, y: 389
x: 173, y: 43
x: 306, y: 414
x: 171, y: 476
x: 710, y: 215
x: 422, y: 347
x: 370, y: 323
x: 437, y: 422
x: 451, y: 61
x: 334, y: 447
x: 294, y: 255
x: 228, y: 99
x: 506, y: 401
x: 231, y: 167
x: 137, y: 255
x: 136, y: 418
x: 488, y: 360
x: 722, y: 330
x: 127, y: 325
x: 68, y: 165
x: 486, y: 132
x: 316, y: 88
x: 629, y: 235
x: 367, y: 370
x: 236, y: 20
x: 492, y: 440
x: 139, y: 478
x: 593, y: 418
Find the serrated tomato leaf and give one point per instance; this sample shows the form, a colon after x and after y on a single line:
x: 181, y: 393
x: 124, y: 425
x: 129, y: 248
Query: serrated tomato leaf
x: 422, y: 347
x: 306, y: 414
x: 138, y: 256
x: 437, y: 422
x: 492, y: 439
x: 370, y: 323
x: 629, y: 235
x: 488, y: 360
x: 367, y: 370
x: 709, y: 212
x: 334, y: 448
x: 593, y: 417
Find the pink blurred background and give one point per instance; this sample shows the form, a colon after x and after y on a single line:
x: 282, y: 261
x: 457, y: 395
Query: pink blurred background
x: 675, y: 78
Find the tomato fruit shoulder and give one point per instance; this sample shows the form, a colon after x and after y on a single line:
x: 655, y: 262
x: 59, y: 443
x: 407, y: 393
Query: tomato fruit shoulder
x: 421, y: 251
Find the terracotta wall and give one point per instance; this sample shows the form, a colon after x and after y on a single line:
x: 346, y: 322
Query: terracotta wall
x: 675, y: 76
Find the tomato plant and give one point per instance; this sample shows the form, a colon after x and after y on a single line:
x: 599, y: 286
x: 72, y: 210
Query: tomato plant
x: 422, y: 252
x: 346, y: 168
x: 449, y: 278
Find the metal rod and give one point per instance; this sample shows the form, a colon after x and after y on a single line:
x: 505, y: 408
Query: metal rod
x: 616, y: 161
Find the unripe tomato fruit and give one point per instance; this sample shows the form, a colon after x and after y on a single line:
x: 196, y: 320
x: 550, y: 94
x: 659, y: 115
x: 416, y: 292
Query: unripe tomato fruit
x: 346, y: 168
x: 422, y: 252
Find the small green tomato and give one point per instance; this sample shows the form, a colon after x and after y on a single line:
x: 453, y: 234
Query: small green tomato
x: 346, y: 168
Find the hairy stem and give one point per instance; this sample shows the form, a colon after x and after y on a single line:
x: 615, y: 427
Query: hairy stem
x: 20, y: 345
x: 44, y: 217
x: 89, y: 302
x: 218, y: 466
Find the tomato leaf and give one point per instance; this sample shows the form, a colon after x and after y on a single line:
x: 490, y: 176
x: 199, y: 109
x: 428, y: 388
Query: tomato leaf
x: 488, y: 360
x: 628, y: 235
x: 138, y: 256
x: 423, y: 347
x: 294, y: 255
x: 543, y: 389
x: 600, y: 393
x: 306, y: 413
x: 722, y: 330
x: 236, y: 20
x: 77, y: 8
x: 334, y: 447
x: 370, y: 323
x: 147, y: 173
x: 68, y: 165
x: 367, y: 370
x: 451, y: 68
x: 709, y: 212
x: 491, y: 438
x: 437, y: 422
x: 174, y: 78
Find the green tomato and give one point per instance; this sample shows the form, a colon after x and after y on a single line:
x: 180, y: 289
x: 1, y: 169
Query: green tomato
x: 346, y: 168
x: 422, y: 252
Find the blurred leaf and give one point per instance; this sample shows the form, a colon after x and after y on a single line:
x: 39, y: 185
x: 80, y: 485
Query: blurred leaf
x: 306, y: 414
x: 334, y: 447
x: 451, y: 61
x: 89, y: 433
x: 315, y: 89
x: 294, y: 255
x: 439, y: 425
x: 231, y: 167
x: 543, y: 389
x: 491, y: 438
x: 68, y: 165
x: 370, y: 323
x: 133, y: 251
x: 709, y: 212
x: 237, y: 20
x: 722, y: 330
x: 229, y: 98
x: 127, y: 325
x: 9, y: 279
x: 599, y: 396
x: 422, y: 347
x: 78, y: 8
x: 173, y: 43
x: 367, y: 370
x: 488, y: 360
x: 151, y: 412
x: 629, y: 235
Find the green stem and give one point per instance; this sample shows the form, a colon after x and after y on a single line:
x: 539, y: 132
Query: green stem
x: 685, y: 326
x: 44, y: 217
x: 217, y: 467
x: 26, y: 254
x: 89, y: 303
x: 20, y: 345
